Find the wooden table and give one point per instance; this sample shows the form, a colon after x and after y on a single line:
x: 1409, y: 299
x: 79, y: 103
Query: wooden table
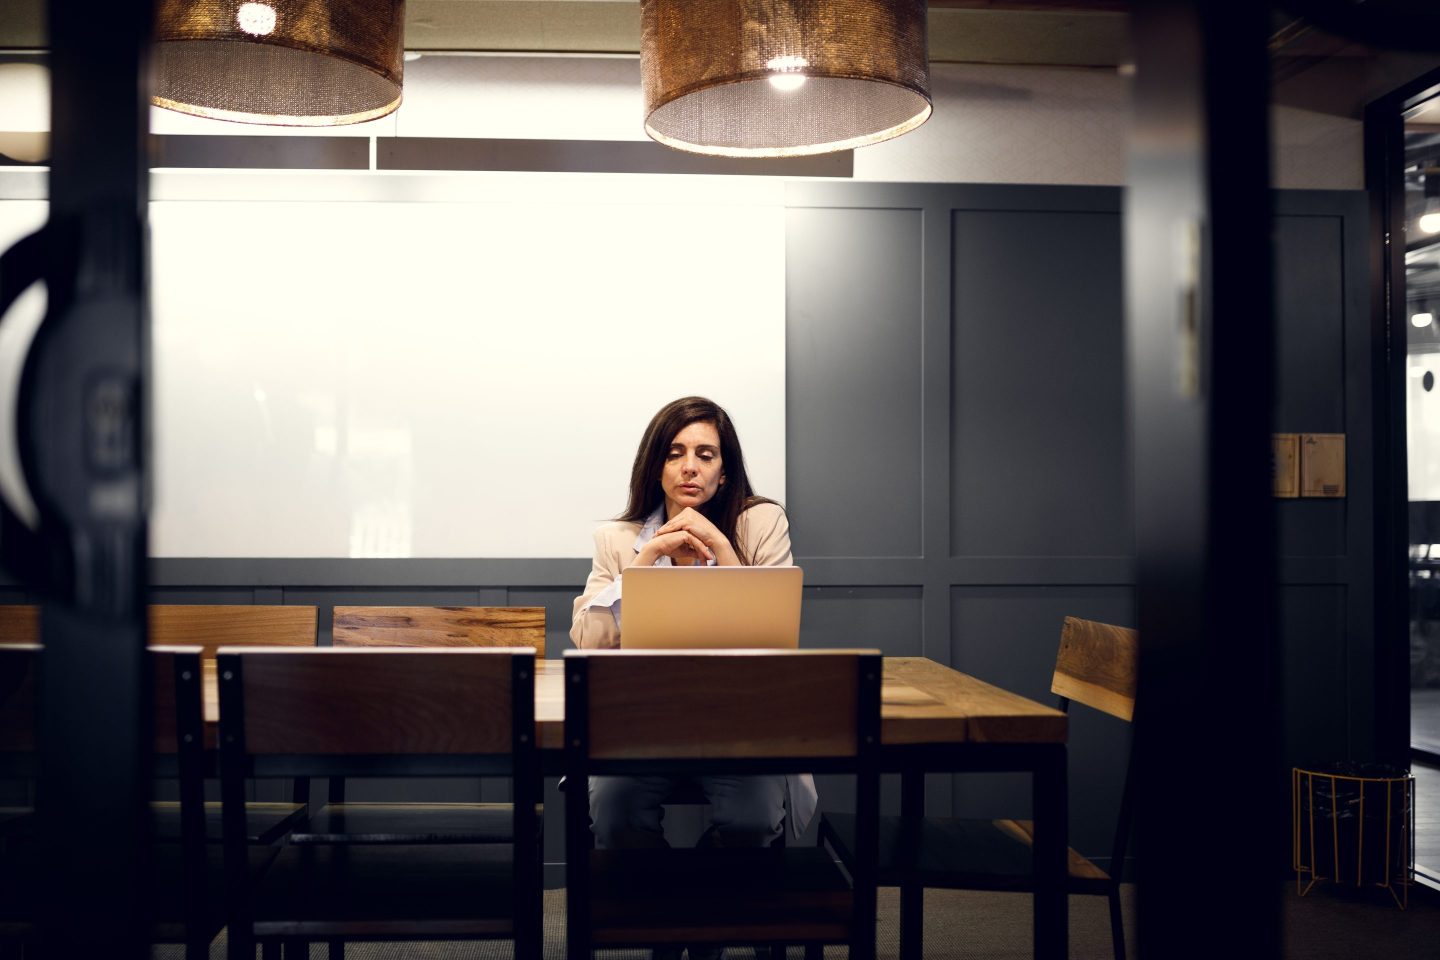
x: 932, y: 718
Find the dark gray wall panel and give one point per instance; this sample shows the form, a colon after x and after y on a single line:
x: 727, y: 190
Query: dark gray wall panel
x: 1038, y: 451
x: 1312, y: 622
x: 1009, y: 636
x: 212, y: 595
x: 1312, y: 526
x: 1310, y: 381
x: 1310, y: 318
x: 853, y: 315
x: 885, y: 618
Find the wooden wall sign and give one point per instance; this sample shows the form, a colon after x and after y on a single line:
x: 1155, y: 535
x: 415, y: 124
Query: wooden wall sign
x: 1285, y: 464
x: 1322, y: 464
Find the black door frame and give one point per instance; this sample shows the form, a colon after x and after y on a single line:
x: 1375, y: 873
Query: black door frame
x: 1385, y: 184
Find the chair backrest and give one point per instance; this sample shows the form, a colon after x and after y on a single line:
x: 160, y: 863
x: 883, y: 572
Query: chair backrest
x: 176, y: 693
x: 1098, y: 665
x: 440, y: 627
x: 19, y: 623
x: 177, y: 697
x: 19, y: 677
x: 376, y: 711
x: 370, y: 702
x: 212, y: 626
x: 721, y: 704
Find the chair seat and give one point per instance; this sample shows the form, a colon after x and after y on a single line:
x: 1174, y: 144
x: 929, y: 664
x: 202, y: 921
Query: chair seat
x: 756, y: 895
x: 408, y: 823
x: 361, y: 891
x: 958, y: 853
x: 264, y: 822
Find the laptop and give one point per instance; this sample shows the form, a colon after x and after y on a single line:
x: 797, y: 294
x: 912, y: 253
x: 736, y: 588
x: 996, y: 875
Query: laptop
x: 716, y: 608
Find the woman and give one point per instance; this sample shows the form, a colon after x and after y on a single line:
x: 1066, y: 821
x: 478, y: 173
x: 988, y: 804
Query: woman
x: 690, y: 503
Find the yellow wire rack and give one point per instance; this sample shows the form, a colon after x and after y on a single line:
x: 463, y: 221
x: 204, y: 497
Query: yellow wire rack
x: 1334, y: 816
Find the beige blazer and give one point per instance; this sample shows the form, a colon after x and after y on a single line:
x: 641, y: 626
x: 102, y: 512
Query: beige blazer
x: 763, y: 533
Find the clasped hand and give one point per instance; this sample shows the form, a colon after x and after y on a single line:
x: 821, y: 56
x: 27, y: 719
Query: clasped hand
x: 688, y: 538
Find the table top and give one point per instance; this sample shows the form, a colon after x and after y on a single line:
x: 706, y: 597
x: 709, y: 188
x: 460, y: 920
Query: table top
x: 921, y: 702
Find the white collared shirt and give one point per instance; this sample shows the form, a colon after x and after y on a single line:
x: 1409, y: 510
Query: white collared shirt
x: 610, y: 596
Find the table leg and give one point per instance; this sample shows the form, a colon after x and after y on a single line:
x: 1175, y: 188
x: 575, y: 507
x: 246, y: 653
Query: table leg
x: 1052, y: 905
x: 912, y: 892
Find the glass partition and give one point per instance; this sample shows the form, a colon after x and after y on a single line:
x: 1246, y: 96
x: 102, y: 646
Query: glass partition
x: 1422, y: 424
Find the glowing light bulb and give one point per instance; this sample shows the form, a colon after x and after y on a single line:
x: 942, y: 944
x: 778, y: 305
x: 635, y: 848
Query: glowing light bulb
x: 257, y: 19
x: 1421, y: 319
x: 1430, y: 223
x: 788, y: 72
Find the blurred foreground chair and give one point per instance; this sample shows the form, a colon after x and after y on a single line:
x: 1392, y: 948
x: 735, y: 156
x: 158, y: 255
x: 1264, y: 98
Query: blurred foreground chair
x: 1097, y: 665
x: 185, y: 897
x: 339, y: 821
x: 19, y: 623
x: 207, y: 627
x: 382, y: 713
x: 210, y: 627
x: 743, y: 712
x: 422, y: 627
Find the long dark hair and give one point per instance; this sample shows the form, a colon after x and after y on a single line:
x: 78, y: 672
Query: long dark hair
x: 734, y: 496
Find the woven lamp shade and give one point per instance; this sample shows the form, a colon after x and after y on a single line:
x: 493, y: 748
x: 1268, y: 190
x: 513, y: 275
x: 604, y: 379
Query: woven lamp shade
x: 723, y: 76
x: 288, y: 62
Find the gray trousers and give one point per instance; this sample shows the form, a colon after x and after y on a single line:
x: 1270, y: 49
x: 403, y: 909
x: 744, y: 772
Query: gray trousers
x: 744, y: 811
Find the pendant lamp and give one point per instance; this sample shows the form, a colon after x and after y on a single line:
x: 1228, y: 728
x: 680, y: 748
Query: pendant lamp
x: 774, y: 78
x: 287, y: 62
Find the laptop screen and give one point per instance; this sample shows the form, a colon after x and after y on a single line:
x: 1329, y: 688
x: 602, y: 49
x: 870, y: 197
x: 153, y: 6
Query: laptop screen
x: 711, y: 608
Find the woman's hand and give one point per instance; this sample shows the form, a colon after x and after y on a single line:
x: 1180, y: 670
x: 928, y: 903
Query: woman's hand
x: 696, y: 524
x: 682, y: 547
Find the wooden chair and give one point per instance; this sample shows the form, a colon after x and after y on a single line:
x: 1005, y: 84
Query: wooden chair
x: 440, y: 627
x: 185, y: 896
x: 207, y: 627
x: 629, y: 712
x: 422, y: 627
x: 377, y: 712
x: 1097, y: 665
x: 210, y: 627
x: 19, y: 623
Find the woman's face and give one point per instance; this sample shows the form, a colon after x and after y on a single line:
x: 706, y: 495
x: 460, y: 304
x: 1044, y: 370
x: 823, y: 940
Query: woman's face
x: 692, y: 471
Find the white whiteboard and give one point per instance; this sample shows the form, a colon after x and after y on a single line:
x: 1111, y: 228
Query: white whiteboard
x: 448, y: 379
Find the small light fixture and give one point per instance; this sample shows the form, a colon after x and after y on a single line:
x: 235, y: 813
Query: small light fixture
x: 283, y: 62
x: 1422, y: 319
x: 774, y: 78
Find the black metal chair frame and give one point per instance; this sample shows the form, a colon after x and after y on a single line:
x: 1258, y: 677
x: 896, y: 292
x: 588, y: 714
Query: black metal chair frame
x: 579, y: 766
x: 520, y: 764
x: 1049, y: 782
x: 200, y: 918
